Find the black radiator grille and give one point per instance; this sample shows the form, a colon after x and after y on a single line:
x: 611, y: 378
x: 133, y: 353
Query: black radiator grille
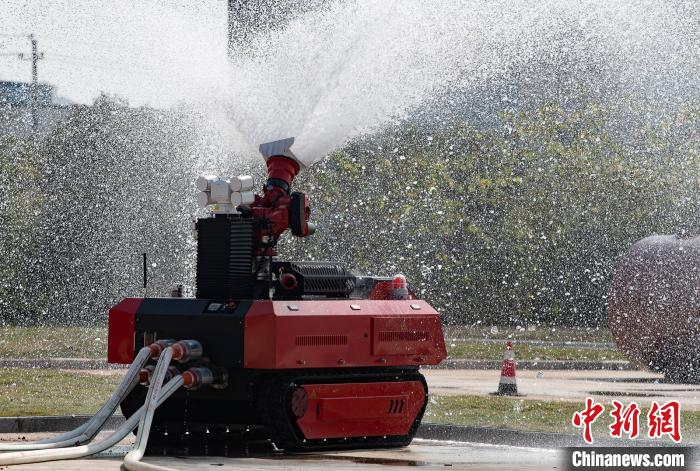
x: 225, y: 258
x: 324, y: 277
x: 319, y: 269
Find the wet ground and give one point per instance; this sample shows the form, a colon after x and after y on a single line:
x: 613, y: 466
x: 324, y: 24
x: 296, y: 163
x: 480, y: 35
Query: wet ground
x: 422, y: 454
x: 568, y: 385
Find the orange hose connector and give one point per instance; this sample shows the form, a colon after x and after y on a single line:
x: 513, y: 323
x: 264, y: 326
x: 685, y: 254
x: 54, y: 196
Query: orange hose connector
x: 187, y: 350
x: 158, y: 346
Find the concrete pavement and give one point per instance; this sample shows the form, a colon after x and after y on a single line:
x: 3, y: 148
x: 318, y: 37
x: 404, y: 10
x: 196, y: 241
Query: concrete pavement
x: 427, y: 454
x: 566, y: 385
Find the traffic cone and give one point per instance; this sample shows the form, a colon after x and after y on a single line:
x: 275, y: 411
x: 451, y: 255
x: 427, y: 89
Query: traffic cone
x: 508, y: 385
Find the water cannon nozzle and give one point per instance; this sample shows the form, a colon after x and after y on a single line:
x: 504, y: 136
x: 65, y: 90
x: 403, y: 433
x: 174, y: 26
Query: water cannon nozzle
x: 282, y: 164
x: 281, y: 148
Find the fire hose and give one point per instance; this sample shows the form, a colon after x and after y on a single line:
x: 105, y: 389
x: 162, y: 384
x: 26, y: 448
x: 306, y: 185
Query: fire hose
x: 132, y: 459
x: 89, y: 429
x: 61, y: 447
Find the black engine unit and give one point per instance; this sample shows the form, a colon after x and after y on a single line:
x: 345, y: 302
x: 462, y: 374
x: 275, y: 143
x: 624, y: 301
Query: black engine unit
x: 313, y: 279
x: 228, y: 269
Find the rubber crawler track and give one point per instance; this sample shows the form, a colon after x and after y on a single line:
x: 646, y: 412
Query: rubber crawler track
x: 275, y: 421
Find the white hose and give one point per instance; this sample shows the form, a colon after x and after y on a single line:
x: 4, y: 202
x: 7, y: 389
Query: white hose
x: 89, y: 429
x: 132, y: 460
x: 37, y: 456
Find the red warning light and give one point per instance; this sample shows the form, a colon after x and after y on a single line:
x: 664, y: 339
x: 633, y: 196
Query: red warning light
x: 399, y: 291
x: 399, y: 282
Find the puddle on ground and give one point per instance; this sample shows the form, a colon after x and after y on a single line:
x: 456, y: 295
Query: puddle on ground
x: 257, y: 451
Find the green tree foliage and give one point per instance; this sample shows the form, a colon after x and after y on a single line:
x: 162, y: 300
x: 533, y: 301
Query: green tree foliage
x: 520, y: 223
x: 115, y: 182
x: 21, y: 201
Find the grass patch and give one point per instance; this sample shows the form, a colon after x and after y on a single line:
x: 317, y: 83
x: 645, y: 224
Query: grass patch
x: 476, y: 351
x: 44, y: 342
x: 552, y: 334
x: 534, y: 415
x: 28, y: 391
x: 502, y: 412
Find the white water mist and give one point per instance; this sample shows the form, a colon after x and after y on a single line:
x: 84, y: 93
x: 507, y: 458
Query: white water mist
x: 333, y: 74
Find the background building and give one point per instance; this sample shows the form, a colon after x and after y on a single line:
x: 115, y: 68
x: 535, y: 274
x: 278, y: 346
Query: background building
x: 16, y: 108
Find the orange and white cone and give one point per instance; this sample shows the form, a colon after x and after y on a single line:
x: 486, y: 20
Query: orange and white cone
x: 508, y: 385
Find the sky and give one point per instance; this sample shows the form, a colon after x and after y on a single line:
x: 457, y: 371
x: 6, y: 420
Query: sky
x: 152, y: 52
